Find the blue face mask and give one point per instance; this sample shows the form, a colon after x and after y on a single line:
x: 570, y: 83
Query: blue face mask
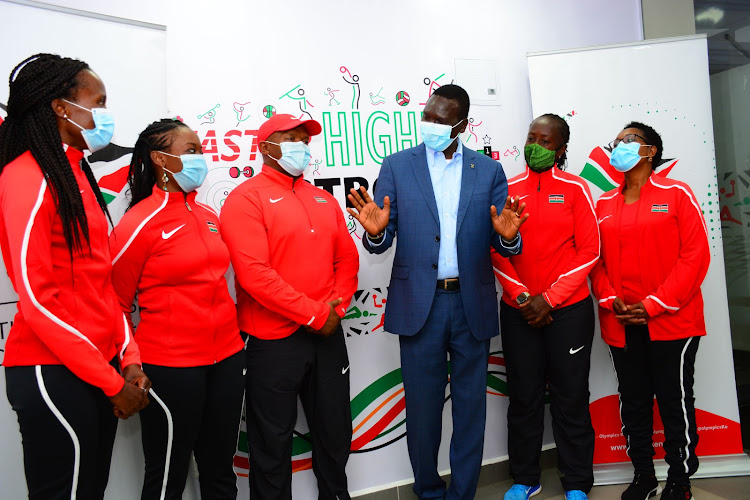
x: 104, y: 128
x: 193, y: 173
x: 295, y: 157
x: 436, y: 136
x: 626, y: 156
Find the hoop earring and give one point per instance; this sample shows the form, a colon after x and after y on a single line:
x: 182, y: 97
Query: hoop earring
x: 650, y: 159
x: 164, y: 180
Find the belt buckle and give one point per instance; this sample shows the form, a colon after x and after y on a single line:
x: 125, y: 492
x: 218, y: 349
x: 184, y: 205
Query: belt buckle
x: 447, y: 282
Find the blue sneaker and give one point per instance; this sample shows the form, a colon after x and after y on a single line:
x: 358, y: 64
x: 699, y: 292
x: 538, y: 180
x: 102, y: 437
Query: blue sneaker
x: 575, y: 495
x: 522, y: 492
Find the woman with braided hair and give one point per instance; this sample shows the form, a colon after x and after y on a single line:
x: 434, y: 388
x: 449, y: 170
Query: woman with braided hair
x: 70, y: 363
x: 168, y: 249
x: 547, y: 315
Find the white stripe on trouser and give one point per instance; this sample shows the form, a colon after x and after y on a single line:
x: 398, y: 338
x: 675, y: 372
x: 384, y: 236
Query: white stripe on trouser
x: 619, y: 396
x: 239, y: 424
x: 170, y: 431
x: 66, y: 425
x: 684, y: 411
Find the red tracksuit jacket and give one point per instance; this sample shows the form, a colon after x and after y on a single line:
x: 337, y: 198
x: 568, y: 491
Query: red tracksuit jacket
x: 560, y: 239
x: 68, y: 313
x: 673, y: 260
x: 169, y: 250
x: 291, y: 253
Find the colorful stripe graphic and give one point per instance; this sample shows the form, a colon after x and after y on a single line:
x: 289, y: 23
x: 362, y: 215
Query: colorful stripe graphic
x: 660, y: 208
x: 601, y: 174
x: 557, y: 198
x: 111, y: 185
x: 378, y: 417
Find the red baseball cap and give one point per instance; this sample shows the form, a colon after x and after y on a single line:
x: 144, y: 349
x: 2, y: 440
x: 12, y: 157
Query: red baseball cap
x: 280, y: 123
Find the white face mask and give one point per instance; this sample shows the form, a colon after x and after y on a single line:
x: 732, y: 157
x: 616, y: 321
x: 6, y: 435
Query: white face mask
x: 437, y: 136
x: 104, y: 127
x: 295, y: 156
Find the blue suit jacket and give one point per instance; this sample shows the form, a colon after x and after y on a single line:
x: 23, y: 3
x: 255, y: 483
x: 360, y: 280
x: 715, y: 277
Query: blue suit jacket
x: 405, y: 178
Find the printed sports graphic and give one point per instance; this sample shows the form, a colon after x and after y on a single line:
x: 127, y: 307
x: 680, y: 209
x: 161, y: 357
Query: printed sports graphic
x: 378, y: 416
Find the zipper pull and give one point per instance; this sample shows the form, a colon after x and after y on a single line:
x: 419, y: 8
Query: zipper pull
x: 188, y: 207
x: 539, y: 186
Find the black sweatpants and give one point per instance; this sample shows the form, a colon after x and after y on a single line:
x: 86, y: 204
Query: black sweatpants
x: 68, y: 429
x: 317, y: 369
x: 665, y: 369
x: 558, y: 354
x: 193, y: 410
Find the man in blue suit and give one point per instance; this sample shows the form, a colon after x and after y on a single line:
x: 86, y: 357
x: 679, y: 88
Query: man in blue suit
x: 440, y: 198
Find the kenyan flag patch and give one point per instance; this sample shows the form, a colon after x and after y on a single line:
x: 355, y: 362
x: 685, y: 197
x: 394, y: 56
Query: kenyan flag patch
x: 660, y: 208
x: 320, y: 199
x: 557, y: 198
x: 212, y: 227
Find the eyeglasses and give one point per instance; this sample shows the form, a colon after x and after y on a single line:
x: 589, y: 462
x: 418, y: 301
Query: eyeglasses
x: 627, y: 140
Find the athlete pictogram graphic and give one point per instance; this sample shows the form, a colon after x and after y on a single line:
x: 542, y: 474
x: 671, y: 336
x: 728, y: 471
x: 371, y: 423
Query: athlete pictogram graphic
x: 354, y: 82
x: 377, y: 99
x: 432, y: 84
x: 332, y: 94
x: 239, y: 110
x: 299, y: 96
x: 472, y: 125
x: 210, y: 115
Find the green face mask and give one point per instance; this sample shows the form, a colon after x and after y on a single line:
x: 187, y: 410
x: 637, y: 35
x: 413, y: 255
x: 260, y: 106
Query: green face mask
x: 537, y: 158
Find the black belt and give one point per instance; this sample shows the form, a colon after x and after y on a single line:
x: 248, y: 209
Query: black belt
x: 449, y: 284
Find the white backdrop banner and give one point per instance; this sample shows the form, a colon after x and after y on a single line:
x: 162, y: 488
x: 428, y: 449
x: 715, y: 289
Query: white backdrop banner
x: 365, y: 76
x: 598, y: 92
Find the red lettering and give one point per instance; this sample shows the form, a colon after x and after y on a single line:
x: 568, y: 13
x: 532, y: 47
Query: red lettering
x: 209, y: 145
x: 231, y: 144
x: 254, y: 145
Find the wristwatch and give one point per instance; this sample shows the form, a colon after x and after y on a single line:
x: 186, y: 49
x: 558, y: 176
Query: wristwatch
x: 522, y: 298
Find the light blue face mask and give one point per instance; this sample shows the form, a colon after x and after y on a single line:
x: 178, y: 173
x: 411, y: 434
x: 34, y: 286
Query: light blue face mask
x: 295, y: 157
x: 436, y: 136
x: 193, y: 173
x: 626, y: 156
x: 104, y: 127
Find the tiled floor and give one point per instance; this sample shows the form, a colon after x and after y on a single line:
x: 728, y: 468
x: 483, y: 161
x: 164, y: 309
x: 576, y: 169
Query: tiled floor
x: 729, y: 488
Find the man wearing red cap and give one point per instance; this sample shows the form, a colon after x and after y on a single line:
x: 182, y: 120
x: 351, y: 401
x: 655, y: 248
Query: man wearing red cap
x: 296, y: 271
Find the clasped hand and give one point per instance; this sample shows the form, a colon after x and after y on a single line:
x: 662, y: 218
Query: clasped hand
x: 634, y: 314
x: 536, y: 311
x: 133, y: 397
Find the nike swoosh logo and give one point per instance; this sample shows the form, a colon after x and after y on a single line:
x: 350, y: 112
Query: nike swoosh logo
x: 276, y: 200
x: 168, y: 235
x: 522, y: 197
x: 573, y: 351
x: 603, y: 218
x: 344, y: 370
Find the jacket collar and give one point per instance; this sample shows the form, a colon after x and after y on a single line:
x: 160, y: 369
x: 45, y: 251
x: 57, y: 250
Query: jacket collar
x: 74, y: 155
x: 158, y: 193
x: 281, y: 179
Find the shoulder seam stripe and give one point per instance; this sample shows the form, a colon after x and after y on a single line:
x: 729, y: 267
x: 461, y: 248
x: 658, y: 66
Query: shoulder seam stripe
x: 140, y: 226
x: 25, y: 271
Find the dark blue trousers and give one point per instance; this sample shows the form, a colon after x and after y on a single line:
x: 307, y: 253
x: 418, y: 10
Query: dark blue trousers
x: 425, y: 369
